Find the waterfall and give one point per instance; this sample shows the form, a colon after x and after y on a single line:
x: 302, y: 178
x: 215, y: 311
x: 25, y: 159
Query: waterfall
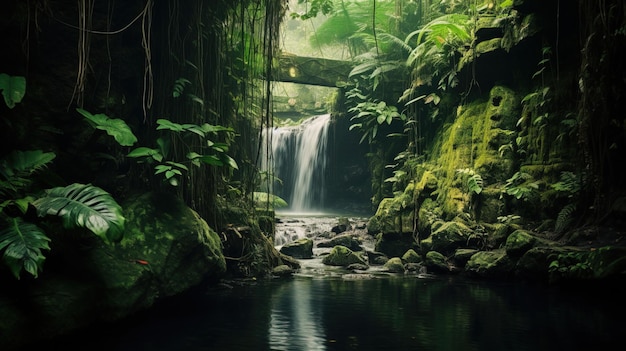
x: 299, y: 161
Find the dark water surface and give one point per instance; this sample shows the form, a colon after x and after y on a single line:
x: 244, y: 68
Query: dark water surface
x: 382, y: 313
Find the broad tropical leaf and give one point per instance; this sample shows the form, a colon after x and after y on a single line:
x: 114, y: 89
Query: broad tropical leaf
x: 84, y: 205
x: 114, y: 127
x: 13, y: 89
x: 22, y: 243
x: 16, y: 168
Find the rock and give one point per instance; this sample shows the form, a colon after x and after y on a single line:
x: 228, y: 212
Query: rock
x: 167, y: 249
x: 358, y: 267
x: 376, y: 258
x: 411, y: 257
x: 347, y: 240
x: 450, y: 236
x: 344, y: 225
x: 490, y: 264
x: 394, y: 265
x: 282, y: 270
x: 342, y: 256
x: 436, y: 262
x: 518, y: 243
x: 461, y: 256
x: 395, y: 244
x: 301, y: 248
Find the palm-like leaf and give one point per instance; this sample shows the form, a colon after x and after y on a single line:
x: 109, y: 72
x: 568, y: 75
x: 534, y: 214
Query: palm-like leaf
x: 22, y: 243
x: 16, y: 168
x: 84, y: 205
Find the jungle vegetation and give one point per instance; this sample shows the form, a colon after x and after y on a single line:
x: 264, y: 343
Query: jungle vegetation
x: 101, y: 99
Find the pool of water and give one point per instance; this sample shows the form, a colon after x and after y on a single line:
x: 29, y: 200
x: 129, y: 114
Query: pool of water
x: 382, y: 312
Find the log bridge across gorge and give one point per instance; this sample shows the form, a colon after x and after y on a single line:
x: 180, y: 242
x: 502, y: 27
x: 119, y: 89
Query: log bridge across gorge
x: 311, y: 70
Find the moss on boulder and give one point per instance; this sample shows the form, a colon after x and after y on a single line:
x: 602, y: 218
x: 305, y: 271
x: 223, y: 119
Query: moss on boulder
x: 342, y: 256
x: 394, y: 265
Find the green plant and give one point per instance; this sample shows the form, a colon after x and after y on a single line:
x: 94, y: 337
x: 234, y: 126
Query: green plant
x: 571, y: 265
x: 473, y: 180
x: 520, y: 186
x: 262, y: 199
x: 13, y: 89
x: 16, y: 170
x: 569, y: 184
x: 434, y: 57
x: 370, y: 113
x: 211, y: 153
x: 313, y: 8
x: 78, y: 205
x: 22, y: 243
x: 86, y: 206
x: 114, y: 127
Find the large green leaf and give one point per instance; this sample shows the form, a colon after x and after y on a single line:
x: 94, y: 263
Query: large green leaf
x: 22, y: 243
x: 17, y: 167
x: 84, y: 205
x: 13, y: 89
x: 114, y: 127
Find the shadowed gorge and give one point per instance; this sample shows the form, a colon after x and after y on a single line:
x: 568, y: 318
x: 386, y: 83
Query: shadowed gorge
x: 312, y: 174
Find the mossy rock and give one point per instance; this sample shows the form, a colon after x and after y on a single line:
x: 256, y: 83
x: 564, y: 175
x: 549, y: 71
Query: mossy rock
x: 391, y: 217
x: 167, y: 249
x: 410, y: 256
x: 503, y: 108
x: 519, y: 242
x: 394, y: 265
x: 301, y: 248
x: 395, y: 244
x: 342, y: 256
x: 461, y: 256
x: 436, y: 262
x: 450, y: 236
x: 348, y: 240
x: 490, y: 264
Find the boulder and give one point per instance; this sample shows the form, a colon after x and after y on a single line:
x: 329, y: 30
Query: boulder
x: 411, y: 257
x: 450, y: 236
x: 394, y: 265
x: 301, y: 248
x: 490, y: 264
x: 436, y: 262
x: 347, y: 240
x: 518, y: 243
x: 167, y: 249
x: 342, y: 256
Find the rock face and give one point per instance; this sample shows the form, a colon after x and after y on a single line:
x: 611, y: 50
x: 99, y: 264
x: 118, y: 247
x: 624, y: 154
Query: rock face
x: 167, y: 249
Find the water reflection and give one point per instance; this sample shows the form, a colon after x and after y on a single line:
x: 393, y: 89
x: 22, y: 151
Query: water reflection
x: 294, y: 322
x: 380, y: 313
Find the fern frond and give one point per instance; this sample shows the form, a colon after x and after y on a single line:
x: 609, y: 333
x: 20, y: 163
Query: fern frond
x: 86, y: 206
x: 564, y: 218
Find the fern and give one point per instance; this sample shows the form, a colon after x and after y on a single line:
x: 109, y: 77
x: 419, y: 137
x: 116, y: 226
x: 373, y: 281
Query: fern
x: 22, y: 243
x: 569, y: 184
x: 86, y: 206
x: 564, y: 218
x: 520, y: 186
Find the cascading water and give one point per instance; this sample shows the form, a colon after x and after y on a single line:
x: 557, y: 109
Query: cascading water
x: 299, y: 161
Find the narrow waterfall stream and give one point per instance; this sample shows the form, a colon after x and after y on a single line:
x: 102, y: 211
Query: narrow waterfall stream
x: 299, y: 161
